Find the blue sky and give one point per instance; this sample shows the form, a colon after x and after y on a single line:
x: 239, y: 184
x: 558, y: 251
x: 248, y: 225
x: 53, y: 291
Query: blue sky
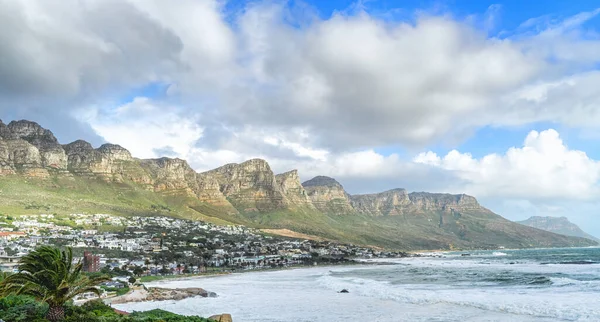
x: 495, y: 99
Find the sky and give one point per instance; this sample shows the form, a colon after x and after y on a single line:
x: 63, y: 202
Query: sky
x: 496, y: 99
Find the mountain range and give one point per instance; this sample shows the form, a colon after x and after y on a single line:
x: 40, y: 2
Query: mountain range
x: 39, y: 174
x: 558, y: 225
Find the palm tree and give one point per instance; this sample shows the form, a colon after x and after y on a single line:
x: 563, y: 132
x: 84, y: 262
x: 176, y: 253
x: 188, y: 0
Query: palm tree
x: 49, y: 275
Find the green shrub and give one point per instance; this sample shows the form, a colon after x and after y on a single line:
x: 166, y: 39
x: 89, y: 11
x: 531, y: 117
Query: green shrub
x: 21, y: 308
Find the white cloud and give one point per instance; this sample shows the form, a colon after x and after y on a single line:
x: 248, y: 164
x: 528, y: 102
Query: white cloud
x: 544, y: 167
x: 353, y: 82
x: 146, y: 128
x: 572, y: 100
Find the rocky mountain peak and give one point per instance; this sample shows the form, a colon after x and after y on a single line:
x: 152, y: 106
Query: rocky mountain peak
x: 322, y: 181
x: 444, y: 198
x: 51, y: 153
x: 31, y: 132
x: 255, y: 165
x: 390, y: 202
x: 328, y: 195
x: 78, y: 146
x: 289, y: 184
x: 115, y: 152
x: 558, y: 225
x: 4, y: 131
x: 290, y: 176
x: 165, y: 162
x: 250, y: 185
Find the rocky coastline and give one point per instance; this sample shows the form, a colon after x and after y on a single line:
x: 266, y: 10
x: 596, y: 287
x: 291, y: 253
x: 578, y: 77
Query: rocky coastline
x: 160, y: 294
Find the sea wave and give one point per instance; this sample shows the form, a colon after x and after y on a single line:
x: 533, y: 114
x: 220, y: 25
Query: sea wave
x: 498, y: 300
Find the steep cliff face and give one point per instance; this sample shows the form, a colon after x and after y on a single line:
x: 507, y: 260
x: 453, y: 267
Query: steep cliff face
x: 250, y: 186
x: 83, y: 159
x: 51, y: 153
x: 388, y: 203
x: 209, y: 191
x: 6, y: 166
x: 4, y: 131
x: 424, y: 201
x: 171, y: 175
x: 109, y: 162
x: 114, y: 152
x: 19, y: 156
x: 290, y: 186
x: 328, y: 195
x: 557, y: 225
x: 29, y: 149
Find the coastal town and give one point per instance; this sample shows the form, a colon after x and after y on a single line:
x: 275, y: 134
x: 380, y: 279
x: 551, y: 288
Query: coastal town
x: 163, y: 246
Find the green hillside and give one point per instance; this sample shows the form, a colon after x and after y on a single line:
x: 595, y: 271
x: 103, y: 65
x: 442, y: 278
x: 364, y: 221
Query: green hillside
x: 66, y: 195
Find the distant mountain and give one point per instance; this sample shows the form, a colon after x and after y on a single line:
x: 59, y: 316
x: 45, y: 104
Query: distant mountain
x: 558, y: 225
x: 40, y: 175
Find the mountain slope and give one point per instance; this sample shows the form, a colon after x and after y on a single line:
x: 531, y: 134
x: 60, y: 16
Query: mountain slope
x: 39, y: 175
x: 558, y: 225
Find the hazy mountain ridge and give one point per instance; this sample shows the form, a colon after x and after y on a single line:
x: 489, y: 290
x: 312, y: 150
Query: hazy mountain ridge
x: 250, y: 193
x: 558, y: 225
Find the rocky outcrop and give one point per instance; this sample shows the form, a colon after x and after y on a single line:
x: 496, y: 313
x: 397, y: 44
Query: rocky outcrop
x: 6, y: 165
x: 27, y: 148
x: 51, y: 153
x: 425, y: 201
x: 289, y: 184
x: 328, y: 195
x: 4, y: 131
x: 388, y: 203
x: 221, y: 318
x: 81, y: 157
x: 557, y: 225
x: 22, y: 157
x: 171, y: 175
x: 161, y: 294
x: 250, y: 186
x: 399, y: 202
x: 209, y: 191
x: 114, y: 152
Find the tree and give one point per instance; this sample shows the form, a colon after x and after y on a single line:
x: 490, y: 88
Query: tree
x: 138, y: 271
x: 132, y: 280
x: 49, y: 275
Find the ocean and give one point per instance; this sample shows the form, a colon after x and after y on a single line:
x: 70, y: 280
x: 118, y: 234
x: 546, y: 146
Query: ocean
x: 508, y: 285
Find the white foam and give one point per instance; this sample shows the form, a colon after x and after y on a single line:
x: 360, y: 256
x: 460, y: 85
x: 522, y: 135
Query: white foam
x: 311, y: 295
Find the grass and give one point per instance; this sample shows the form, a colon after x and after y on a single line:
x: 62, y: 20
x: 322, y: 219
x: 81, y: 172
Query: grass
x: 67, y: 195
x: 122, y: 291
x: 424, y: 230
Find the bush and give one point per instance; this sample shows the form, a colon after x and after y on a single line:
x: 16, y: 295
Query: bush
x: 21, y: 308
x: 25, y: 309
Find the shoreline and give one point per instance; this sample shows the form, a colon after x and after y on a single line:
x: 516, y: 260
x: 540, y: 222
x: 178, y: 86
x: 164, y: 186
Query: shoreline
x: 155, y: 293
x: 353, y: 262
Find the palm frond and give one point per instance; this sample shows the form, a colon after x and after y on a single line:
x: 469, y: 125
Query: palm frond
x: 49, y: 275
